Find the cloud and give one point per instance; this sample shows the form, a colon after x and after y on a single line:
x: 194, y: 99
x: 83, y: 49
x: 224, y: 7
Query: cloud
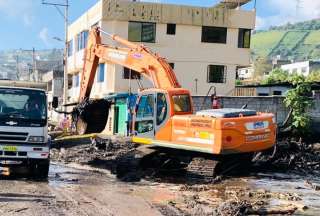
x: 27, y: 19
x: 285, y: 11
x: 21, y: 10
x: 44, y: 36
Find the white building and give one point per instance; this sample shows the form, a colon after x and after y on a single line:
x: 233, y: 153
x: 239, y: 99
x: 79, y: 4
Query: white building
x: 245, y: 73
x: 302, y: 68
x: 204, y: 45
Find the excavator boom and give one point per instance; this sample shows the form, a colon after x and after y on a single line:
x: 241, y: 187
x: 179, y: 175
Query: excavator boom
x: 133, y: 56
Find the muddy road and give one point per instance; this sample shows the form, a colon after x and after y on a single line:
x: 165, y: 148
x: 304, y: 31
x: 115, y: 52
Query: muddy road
x: 71, y: 191
x: 84, y: 180
x: 81, y: 190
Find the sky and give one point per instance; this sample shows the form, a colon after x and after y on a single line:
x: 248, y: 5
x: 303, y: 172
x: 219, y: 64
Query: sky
x: 28, y: 23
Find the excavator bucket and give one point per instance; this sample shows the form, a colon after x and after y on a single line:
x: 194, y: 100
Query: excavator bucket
x: 91, y: 116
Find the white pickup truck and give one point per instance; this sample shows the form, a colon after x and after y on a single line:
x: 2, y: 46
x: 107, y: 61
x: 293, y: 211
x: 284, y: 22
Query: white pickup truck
x: 23, y: 129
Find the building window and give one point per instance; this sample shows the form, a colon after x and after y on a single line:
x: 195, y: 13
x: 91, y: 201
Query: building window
x: 244, y: 38
x: 82, y: 38
x: 171, y: 29
x: 134, y: 74
x: 216, y: 74
x: 100, y: 77
x: 263, y: 94
x: 171, y: 65
x: 214, y: 34
x: 76, y: 80
x: 70, y: 48
x: 142, y: 32
x: 277, y: 92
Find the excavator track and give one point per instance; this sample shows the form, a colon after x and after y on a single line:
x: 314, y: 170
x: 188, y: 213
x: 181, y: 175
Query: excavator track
x: 90, y: 116
x: 136, y: 164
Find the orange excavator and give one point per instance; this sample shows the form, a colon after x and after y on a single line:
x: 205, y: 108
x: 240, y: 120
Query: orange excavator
x: 164, y: 115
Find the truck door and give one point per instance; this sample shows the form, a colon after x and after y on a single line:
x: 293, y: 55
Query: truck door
x: 145, y: 116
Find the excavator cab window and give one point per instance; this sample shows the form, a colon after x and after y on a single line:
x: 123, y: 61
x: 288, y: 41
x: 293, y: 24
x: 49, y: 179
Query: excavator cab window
x: 144, y: 124
x: 145, y: 106
x: 162, y: 108
x: 181, y: 103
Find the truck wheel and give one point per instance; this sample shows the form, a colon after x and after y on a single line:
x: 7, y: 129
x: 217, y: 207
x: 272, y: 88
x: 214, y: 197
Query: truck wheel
x: 40, y: 169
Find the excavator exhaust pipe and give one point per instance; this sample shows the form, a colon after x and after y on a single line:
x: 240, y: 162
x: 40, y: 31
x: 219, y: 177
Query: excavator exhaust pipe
x: 91, y: 116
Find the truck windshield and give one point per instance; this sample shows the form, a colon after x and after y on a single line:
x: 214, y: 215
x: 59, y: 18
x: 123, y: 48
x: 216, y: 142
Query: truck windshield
x: 22, y: 107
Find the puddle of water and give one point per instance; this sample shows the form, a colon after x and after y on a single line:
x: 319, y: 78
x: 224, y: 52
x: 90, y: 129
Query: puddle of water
x: 61, y: 176
x: 295, y: 185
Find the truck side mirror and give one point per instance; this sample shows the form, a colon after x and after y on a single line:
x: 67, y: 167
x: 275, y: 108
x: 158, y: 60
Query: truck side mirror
x: 55, y: 102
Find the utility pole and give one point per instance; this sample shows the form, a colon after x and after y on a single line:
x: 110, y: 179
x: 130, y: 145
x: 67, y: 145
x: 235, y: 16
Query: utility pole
x: 65, y: 16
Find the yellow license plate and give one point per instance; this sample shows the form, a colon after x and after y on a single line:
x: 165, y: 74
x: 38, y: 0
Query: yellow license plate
x: 10, y: 148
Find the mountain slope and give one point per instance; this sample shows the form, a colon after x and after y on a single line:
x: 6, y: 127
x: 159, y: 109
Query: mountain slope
x: 298, y: 41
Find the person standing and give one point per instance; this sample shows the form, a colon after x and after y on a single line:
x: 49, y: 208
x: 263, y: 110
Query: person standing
x: 215, y: 102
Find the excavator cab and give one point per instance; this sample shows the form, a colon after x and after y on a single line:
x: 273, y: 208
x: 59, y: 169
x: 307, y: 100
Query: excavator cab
x: 155, y: 107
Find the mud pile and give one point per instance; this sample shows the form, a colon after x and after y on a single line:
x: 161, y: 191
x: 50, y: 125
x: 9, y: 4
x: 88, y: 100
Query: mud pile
x: 102, y: 154
x: 290, y: 155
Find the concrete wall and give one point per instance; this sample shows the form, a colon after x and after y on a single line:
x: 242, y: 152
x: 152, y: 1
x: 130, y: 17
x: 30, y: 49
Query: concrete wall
x: 180, y: 14
x: 273, y: 104
x: 263, y: 104
x: 270, y: 90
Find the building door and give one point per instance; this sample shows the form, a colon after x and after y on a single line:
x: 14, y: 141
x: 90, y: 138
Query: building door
x: 116, y: 120
x: 122, y: 118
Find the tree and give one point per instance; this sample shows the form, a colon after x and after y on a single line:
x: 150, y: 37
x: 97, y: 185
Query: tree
x: 276, y: 76
x: 299, y: 101
x: 314, y: 76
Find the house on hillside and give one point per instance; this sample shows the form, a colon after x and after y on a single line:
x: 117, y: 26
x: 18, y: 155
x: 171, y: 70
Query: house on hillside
x: 204, y: 46
x: 302, y: 68
x: 246, y: 73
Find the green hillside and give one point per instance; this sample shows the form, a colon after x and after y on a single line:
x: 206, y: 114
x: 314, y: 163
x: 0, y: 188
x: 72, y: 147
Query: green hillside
x: 298, y: 41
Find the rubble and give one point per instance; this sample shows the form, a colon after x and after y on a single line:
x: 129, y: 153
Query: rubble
x: 293, y: 156
x: 214, y: 197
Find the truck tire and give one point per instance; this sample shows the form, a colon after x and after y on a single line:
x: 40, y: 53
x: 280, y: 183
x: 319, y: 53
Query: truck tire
x: 40, y: 169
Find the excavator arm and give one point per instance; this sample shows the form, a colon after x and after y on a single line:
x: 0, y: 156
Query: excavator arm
x: 133, y: 56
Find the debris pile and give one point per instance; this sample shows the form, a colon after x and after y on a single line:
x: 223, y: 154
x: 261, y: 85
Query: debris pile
x: 95, y: 153
x: 290, y: 155
x: 236, y: 200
